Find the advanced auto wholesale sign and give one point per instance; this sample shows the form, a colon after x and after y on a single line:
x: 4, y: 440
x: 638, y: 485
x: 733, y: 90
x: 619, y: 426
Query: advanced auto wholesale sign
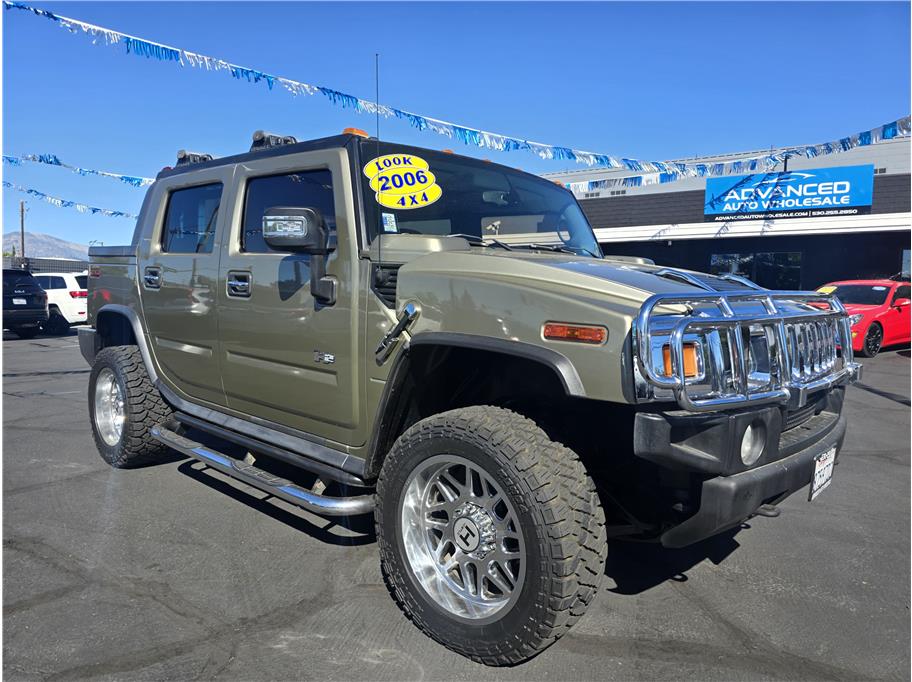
x: 846, y: 190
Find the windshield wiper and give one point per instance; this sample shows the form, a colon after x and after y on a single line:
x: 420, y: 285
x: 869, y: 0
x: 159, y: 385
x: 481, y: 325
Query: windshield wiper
x: 481, y: 241
x: 557, y: 248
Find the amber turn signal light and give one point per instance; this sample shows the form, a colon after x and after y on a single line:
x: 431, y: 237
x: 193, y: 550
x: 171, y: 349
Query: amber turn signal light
x: 690, y: 360
x: 555, y: 331
x: 355, y: 131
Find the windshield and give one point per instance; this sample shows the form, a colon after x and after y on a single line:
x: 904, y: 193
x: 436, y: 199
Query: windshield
x: 418, y: 191
x: 860, y: 294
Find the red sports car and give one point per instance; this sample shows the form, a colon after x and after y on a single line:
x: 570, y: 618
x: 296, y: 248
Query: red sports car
x: 879, y: 310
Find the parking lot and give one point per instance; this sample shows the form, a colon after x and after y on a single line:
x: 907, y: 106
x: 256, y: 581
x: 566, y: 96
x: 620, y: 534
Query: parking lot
x: 173, y: 572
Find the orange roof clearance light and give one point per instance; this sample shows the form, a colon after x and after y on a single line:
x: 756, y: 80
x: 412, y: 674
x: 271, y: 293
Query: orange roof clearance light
x: 690, y: 360
x: 447, y: 151
x: 580, y: 333
x: 355, y: 131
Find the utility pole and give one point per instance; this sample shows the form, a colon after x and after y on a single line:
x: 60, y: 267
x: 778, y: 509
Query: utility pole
x: 22, y: 229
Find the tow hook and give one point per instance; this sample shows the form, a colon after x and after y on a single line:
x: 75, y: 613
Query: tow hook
x: 408, y: 315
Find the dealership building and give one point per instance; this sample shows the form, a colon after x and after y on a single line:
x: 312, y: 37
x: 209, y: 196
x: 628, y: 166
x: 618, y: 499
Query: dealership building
x: 840, y: 216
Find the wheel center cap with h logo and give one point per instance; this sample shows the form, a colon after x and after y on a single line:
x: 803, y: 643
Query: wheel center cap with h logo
x: 473, y: 530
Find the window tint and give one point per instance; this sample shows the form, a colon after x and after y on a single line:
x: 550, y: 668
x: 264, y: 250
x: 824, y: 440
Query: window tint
x: 82, y: 281
x: 49, y: 282
x: 902, y: 292
x: 861, y: 294
x: 305, y: 189
x: 190, y: 219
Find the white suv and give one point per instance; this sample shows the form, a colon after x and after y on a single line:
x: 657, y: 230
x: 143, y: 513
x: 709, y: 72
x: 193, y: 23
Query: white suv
x: 66, y: 299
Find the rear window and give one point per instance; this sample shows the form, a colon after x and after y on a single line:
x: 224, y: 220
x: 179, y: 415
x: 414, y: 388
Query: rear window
x: 15, y: 277
x: 82, y: 281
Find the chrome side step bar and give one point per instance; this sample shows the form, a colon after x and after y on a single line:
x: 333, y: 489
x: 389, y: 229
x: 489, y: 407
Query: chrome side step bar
x: 263, y: 480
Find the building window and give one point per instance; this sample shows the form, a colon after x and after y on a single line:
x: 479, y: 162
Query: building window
x: 591, y: 195
x: 617, y: 192
x: 880, y: 171
x: 190, y: 219
x: 304, y: 189
x: 773, y: 270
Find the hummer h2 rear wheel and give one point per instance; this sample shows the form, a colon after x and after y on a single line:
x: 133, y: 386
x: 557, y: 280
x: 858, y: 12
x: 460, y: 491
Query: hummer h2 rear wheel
x: 123, y: 408
x: 492, y: 537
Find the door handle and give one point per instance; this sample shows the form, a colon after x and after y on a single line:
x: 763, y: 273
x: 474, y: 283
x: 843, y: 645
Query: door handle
x: 238, y: 284
x: 152, y: 278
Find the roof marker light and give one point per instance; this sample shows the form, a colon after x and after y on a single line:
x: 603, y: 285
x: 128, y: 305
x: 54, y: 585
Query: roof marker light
x: 355, y: 131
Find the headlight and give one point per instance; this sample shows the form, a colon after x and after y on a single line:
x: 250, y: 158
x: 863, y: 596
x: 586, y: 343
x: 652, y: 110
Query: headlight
x: 855, y: 319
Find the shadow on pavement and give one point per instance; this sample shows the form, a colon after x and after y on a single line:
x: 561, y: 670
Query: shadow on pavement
x: 639, y: 566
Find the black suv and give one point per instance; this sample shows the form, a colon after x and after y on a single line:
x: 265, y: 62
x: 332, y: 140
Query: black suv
x: 25, y: 303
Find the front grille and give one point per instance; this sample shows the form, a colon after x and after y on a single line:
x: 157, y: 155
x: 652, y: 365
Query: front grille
x: 757, y: 347
x: 811, y: 348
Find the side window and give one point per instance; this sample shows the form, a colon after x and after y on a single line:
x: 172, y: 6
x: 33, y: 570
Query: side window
x: 49, y: 282
x: 304, y: 189
x: 190, y: 219
x: 902, y: 292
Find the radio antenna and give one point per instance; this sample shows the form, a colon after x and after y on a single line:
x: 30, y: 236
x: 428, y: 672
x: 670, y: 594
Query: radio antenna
x: 380, y: 230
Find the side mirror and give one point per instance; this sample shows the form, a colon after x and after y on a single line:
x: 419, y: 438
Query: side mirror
x: 901, y: 302
x: 303, y: 230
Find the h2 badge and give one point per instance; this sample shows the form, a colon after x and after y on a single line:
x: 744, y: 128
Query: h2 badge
x: 402, y: 181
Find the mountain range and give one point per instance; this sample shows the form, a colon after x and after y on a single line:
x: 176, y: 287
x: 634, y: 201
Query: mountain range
x: 39, y: 245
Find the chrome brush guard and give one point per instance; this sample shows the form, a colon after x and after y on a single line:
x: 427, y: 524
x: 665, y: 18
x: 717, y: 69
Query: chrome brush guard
x: 752, y: 347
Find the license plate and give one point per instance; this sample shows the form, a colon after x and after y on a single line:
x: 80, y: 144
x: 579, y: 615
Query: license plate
x: 20, y: 301
x: 823, y: 472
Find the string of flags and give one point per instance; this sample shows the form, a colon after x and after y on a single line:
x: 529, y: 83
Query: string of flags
x: 64, y: 203
x: 53, y: 160
x: 653, y: 172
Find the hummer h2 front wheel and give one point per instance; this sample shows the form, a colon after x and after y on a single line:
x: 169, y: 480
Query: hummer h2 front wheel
x: 491, y: 535
x: 123, y: 408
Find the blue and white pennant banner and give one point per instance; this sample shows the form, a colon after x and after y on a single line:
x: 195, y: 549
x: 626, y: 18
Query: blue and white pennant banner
x: 653, y: 172
x: 64, y: 203
x: 53, y: 160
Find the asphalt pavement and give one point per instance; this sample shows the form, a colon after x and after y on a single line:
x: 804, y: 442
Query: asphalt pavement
x: 173, y: 572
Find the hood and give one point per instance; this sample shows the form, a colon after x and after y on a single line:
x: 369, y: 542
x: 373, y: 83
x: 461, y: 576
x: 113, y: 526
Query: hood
x: 628, y: 280
x: 854, y: 308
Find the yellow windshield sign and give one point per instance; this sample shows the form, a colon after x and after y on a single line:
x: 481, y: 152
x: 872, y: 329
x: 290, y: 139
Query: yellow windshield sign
x: 826, y: 290
x: 402, y: 181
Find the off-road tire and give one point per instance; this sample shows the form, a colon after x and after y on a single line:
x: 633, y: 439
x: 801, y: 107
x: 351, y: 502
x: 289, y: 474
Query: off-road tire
x: 26, y: 332
x: 561, y: 518
x: 143, y: 406
x: 873, y: 328
x: 57, y: 324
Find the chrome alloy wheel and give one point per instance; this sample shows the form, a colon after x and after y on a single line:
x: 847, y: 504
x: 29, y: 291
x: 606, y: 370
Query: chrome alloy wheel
x: 462, y: 538
x: 109, y: 407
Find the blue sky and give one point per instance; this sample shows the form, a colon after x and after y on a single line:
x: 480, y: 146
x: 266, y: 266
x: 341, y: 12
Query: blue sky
x: 645, y: 80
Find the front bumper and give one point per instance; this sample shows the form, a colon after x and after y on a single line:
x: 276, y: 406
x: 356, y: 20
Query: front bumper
x: 726, y: 501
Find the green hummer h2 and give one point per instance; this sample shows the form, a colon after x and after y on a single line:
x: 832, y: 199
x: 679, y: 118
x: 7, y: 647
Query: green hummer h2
x: 358, y: 326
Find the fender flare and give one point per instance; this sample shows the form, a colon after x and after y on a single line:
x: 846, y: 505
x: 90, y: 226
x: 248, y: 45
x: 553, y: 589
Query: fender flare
x: 557, y: 362
x: 138, y: 333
